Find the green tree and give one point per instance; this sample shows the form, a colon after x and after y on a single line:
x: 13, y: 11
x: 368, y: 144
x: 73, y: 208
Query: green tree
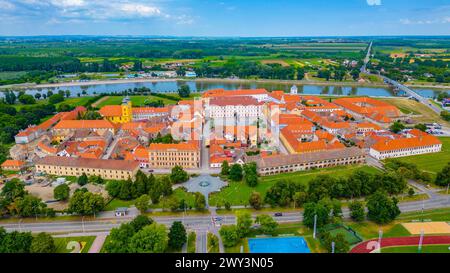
x: 225, y: 168
x: 319, y: 209
x: 300, y: 198
x: 381, y: 208
x: 119, y: 239
x: 230, y: 235
x: 43, y: 243
x: 443, y: 177
x: 357, y: 212
x: 28, y: 205
x: 178, y: 175
x: 113, y: 188
x: 142, y: 203
x: 140, y: 221
x: 15, y: 242
x: 86, y: 203
x: 396, y: 127
x: 184, y: 91
x: 27, y: 99
x: 199, y: 201
x: 341, y: 244
x: 236, y: 172
x: 250, y: 174
x: 255, y: 200
x: 243, y: 223
x: 61, y: 192
x: 177, y: 235
x: 421, y: 127
x: 268, y: 224
x: 151, y: 239
x: 82, y: 179
x: 55, y: 98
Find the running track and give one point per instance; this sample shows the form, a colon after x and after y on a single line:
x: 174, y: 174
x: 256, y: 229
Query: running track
x: 401, y: 241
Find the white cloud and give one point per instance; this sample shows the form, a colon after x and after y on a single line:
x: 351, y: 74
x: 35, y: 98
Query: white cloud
x: 140, y: 10
x: 68, y: 3
x: 5, y: 5
x: 373, y: 2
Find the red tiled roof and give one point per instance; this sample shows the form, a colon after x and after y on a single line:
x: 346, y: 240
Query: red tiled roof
x: 13, y: 163
x: 404, y: 143
x: 84, y: 124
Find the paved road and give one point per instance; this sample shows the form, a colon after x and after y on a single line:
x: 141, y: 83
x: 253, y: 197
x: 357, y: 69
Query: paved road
x: 201, y: 243
x: 201, y: 222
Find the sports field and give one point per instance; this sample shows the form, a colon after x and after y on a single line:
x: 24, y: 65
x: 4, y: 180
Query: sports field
x: 371, y: 245
x: 428, y: 227
x: 415, y: 249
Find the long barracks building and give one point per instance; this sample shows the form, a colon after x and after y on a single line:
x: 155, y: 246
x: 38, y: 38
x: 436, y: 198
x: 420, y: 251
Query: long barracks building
x: 300, y: 162
x: 70, y: 166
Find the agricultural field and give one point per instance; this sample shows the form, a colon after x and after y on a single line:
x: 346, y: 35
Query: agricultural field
x: 237, y: 193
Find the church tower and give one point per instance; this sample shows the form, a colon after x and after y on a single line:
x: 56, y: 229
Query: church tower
x: 127, y: 114
x: 294, y: 90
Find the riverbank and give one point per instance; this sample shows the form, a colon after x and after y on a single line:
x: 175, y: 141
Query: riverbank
x: 216, y: 80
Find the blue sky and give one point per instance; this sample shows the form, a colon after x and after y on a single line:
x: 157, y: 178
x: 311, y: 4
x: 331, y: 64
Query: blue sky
x: 225, y: 17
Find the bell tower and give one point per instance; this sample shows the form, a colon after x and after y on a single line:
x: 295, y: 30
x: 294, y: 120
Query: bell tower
x: 127, y: 114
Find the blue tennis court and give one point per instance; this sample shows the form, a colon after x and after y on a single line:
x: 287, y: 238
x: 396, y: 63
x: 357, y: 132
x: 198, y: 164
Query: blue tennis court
x: 278, y: 245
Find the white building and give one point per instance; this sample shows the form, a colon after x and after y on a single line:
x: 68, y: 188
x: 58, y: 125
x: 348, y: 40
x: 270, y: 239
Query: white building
x: 414, y: 144
x: 230, y: 107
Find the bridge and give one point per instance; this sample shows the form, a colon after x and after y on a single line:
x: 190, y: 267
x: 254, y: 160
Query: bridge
x: 398, y: 85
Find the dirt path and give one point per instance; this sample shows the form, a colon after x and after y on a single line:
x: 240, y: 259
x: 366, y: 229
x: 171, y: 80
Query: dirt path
x: 95, y: 104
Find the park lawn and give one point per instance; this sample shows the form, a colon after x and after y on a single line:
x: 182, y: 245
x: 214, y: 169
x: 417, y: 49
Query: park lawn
x: 78, y: 101
x: 433, y: 215
x: 117, y: 203
x: 237, y: 193
x: 369, y: 230
x: 433, y: 162
x: 61, y: 243
x: 415, y: 249
x: 136, y: 100
x: 180, y: 194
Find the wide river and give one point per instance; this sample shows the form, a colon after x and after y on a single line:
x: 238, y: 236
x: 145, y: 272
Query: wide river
x: 200, y: 86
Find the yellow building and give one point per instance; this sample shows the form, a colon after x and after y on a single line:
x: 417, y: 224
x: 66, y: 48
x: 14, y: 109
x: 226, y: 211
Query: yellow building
x: 70, y: 166
x: 118, y: 113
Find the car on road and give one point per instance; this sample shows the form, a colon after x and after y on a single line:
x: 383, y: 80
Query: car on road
x: 278, y: 214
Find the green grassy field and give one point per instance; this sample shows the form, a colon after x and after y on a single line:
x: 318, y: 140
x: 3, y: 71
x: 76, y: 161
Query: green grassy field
x: 61, y: 243
x: 136, y: 100
x: 369, y: 230
x: 434, y: 162
x: 414, y: 249
x: 237, y: 193
x: 117, y: 203
x: 191, y: 242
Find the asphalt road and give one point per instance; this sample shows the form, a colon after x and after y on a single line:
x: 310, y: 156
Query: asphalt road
x: 199, y: 223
